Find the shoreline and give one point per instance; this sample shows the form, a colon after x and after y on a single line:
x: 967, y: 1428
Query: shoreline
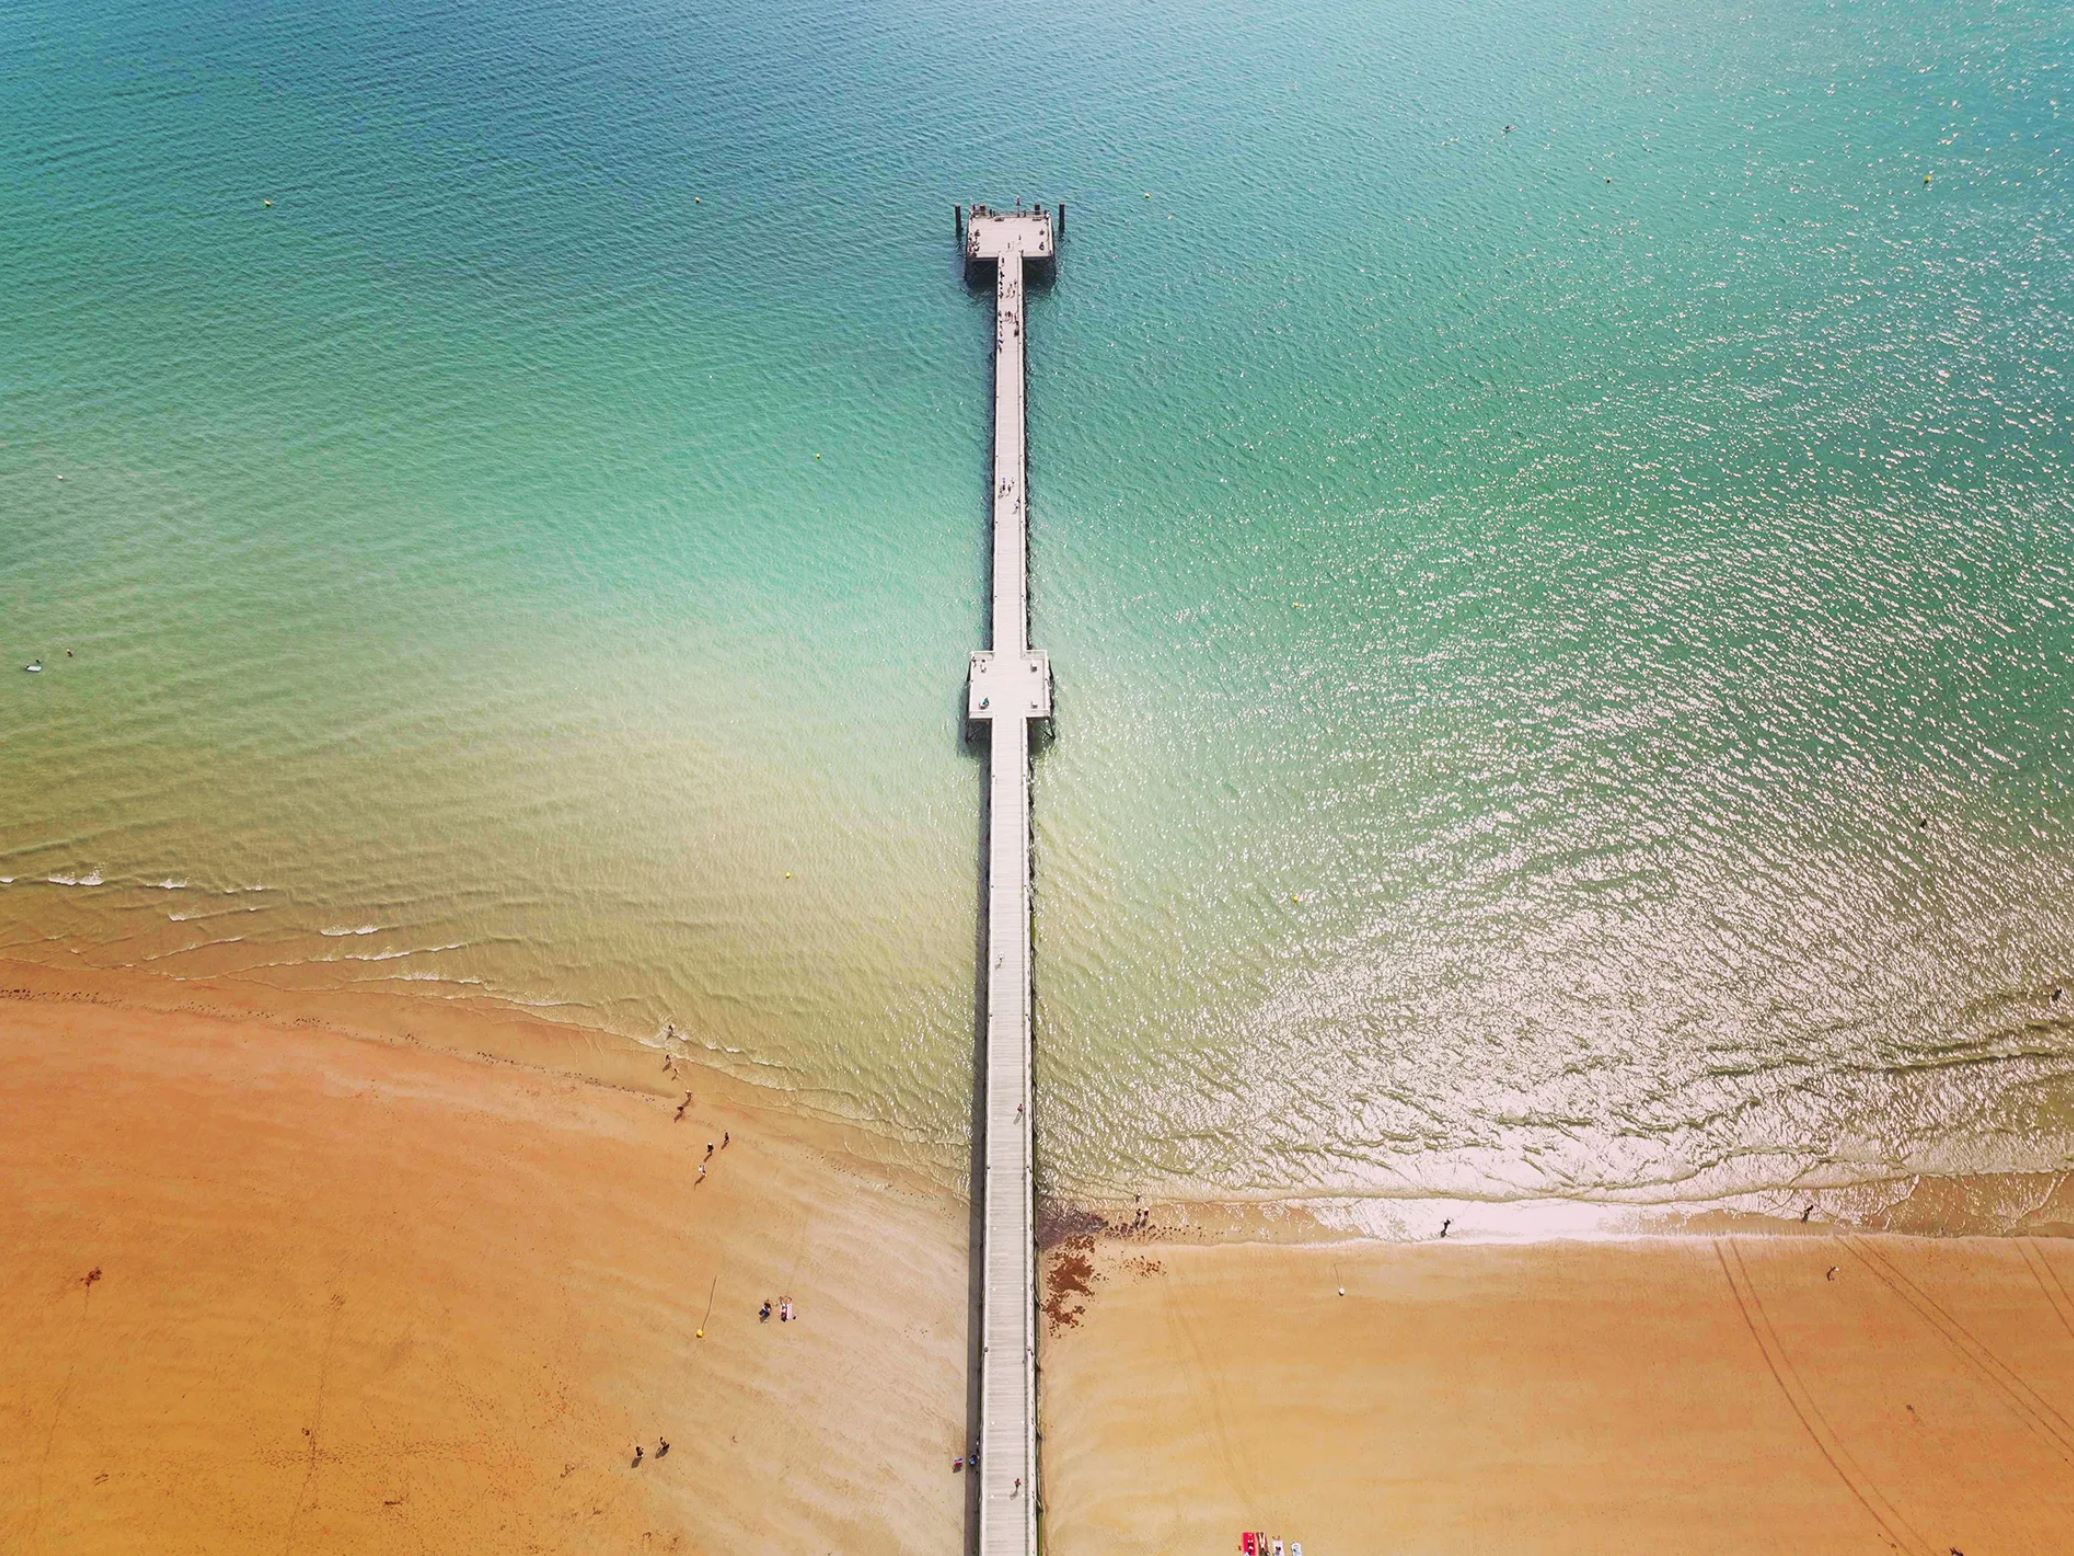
x: 486, y: 1031
x: 1981, y: 1205
x: 1992, y: 1204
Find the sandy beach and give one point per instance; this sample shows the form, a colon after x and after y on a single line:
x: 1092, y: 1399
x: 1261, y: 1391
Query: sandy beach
x: 1688, y: 1394
x: 270, y: 1288
x: 274, y: 1286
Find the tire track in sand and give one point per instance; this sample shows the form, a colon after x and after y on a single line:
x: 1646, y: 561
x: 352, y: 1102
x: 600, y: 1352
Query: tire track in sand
x: 2031, y: 1407
x: 1893, y: 1527
x: 2049, y: 1282
x: 316, y: 1426
x: 1207, y: 1389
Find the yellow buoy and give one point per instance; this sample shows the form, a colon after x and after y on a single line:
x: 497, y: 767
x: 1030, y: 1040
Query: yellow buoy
x: 268, y: 204
x: 702, y: 1334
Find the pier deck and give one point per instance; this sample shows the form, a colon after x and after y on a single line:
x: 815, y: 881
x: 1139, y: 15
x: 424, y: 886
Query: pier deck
x: 1009, y: 686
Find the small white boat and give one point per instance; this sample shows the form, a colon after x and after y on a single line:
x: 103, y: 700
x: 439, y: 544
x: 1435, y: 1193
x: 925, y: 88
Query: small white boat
x: 34, y: 667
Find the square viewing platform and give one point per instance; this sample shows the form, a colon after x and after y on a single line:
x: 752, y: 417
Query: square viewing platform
x: 1010, y: 686
x: 990, y: 235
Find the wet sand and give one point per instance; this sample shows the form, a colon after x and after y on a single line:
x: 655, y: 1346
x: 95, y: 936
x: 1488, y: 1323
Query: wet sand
x: 269, y: 1288
x: 1686, y: 1394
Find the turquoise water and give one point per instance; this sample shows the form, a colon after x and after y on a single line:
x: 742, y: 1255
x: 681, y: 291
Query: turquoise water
x: 1515, y: 596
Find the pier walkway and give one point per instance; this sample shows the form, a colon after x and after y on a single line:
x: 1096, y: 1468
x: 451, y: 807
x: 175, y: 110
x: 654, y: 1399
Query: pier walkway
x: 1009, y: 686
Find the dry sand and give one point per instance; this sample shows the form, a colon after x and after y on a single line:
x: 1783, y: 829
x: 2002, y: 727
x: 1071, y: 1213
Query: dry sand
x: 267, y: 1288
x: 1675, y: 1395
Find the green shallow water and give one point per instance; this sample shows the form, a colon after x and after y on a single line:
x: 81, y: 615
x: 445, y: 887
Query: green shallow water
x: 1514, y: 595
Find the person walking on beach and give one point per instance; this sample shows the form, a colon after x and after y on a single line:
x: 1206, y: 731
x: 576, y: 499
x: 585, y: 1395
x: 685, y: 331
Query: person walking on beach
x: 637, y: 1456
x: 725, y: 1139
x: 709, y: 1150
x: 702, y: 1174
x: 1445, y: 1223
x: 682, y: 1106
x: 662, y: 1446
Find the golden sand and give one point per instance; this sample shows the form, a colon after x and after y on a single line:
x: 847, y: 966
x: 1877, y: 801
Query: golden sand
x: 1651, y: 1396
x: 266, y: 1288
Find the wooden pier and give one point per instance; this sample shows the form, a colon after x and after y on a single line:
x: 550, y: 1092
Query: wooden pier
x: 1009, y: 685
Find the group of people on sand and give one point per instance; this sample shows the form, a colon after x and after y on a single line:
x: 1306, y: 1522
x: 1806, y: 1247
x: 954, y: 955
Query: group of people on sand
x: 786, y: 1312
x: 726, y: 1140
x: 662, y: 1450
